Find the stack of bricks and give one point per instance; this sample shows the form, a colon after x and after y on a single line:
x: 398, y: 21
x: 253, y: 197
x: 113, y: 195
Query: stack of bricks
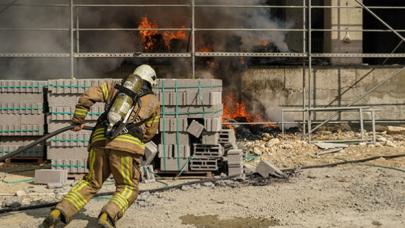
x: 69, y: 150
x: 22, y: 117
x: 190, y: 125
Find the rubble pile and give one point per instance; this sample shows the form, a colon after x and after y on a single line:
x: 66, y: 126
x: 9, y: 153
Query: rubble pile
x: 288, y: 151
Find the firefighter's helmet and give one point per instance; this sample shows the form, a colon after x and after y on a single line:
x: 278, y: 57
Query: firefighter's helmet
x: 147, y: 73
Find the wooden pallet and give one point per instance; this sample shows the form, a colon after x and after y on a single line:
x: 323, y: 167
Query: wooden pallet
x: 36, y: 160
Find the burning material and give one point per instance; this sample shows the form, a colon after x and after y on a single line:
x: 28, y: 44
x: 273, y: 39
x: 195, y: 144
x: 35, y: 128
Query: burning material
x: 151, y: 37
x: 235, y: 109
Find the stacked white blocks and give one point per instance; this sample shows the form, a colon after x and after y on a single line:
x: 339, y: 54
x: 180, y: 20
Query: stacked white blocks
x: 21, y: 116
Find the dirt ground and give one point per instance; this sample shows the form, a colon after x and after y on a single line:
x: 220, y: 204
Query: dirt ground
x: 361, y: 195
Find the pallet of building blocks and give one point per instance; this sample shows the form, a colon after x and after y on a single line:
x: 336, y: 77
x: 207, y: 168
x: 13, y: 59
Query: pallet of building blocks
x: 73, y: 86
x: 174, y: 151
x: 70, y: 139
x: 174, y: 164
x: 67, y: 153
x: 204, y: 164
x: 72, y: 166
x: 210, y: 138
x: 208, y: 151
x: 181, y: 138
x: 22, y: 86
x: 10, y: 144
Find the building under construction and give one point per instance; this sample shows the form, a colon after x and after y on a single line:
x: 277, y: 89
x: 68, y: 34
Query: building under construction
x: 241, y: 83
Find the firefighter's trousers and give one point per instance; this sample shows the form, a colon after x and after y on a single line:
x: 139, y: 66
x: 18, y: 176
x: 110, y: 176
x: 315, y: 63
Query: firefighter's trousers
x: 125, y: 170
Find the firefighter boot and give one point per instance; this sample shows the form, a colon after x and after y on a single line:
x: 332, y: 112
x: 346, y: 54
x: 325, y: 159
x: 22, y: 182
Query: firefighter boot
x: 104, y: 221
x: 54, y: 219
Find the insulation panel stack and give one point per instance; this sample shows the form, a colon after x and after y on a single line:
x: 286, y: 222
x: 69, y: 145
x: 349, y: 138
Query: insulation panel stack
x: 69, y: 150
x: 22, y: 117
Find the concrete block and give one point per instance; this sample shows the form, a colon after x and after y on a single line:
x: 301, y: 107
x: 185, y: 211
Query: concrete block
x: 150, y: 153
x: 70, y: 153
x: 195, y: 129
x: 235, y: 170
x: 22, y: 86
x: 234, y: 156
x: 173, y: 164
x: 210, y: 138
x: 204, y: 164
x: 213, y: 124
x: 181, y: 138
x: 72, y: 166
x: 170, y: 124
x: 174, y: 151
x: 70, y: 139
x: 265, y: 169
x: 227, y: 136
x: 208, y: 151
x: 147, y: 174
x: 50, y: 176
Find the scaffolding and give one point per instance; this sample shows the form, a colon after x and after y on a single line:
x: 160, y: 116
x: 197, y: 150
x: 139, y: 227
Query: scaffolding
x: 306, y: 53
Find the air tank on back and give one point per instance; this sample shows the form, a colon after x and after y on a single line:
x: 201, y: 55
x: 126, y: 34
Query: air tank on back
x: 123, y: 103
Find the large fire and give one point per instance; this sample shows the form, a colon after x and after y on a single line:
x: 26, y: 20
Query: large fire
x: 148, y: 31
x: 237, y: 110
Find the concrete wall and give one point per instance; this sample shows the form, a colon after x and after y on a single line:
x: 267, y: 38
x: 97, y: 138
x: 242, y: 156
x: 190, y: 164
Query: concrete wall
x: 269, y: 90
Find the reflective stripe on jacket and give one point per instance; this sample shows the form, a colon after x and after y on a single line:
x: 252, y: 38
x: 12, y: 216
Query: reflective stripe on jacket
x: 149, y: 114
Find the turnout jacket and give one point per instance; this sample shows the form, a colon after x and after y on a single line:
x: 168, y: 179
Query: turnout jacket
x: 149, y: 115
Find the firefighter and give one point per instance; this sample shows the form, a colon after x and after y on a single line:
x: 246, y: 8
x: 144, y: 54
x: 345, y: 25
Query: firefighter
x: 131, y: 119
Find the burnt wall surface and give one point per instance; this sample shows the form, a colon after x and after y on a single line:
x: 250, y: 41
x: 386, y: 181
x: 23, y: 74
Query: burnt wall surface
x: 282, y: 87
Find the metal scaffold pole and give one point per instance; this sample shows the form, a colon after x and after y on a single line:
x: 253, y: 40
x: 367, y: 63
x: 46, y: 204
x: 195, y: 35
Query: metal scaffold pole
x: 309, y: 69
x: 193, y: 38
x: 72, y: 56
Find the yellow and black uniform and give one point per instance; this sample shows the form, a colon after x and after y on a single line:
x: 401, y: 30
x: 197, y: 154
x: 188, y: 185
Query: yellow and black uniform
x: 119, y: 156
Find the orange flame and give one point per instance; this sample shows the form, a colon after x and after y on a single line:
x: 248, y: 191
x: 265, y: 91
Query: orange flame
x: 205, y: 49
x: 234, y: 109
x: 146, y: 31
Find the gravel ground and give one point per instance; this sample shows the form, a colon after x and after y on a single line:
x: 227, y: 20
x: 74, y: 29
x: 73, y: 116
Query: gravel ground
x: 361, y: 195
x: 347, y: 196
